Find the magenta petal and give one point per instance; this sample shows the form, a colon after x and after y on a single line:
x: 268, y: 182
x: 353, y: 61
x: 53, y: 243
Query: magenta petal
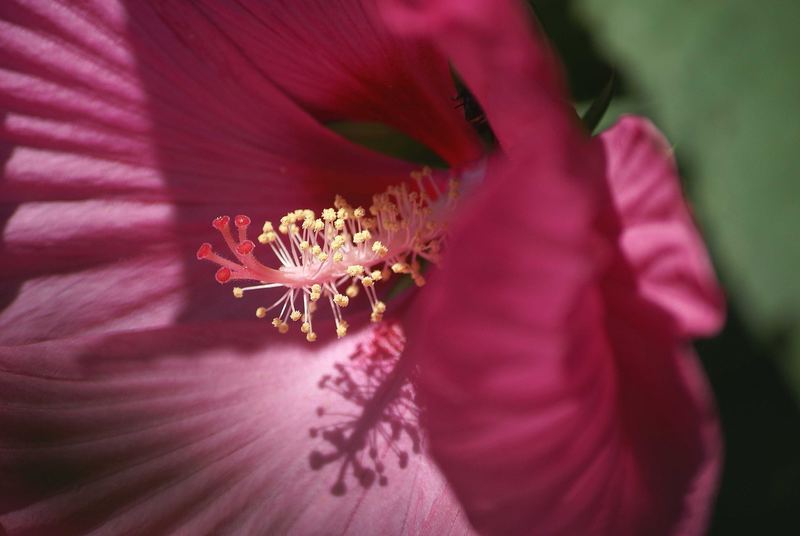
x: 492, y: 46
x: 515, y: 373
x: 658, y: 237
x: 548, y: 410
x: 155, y: 433
x: 557, y: 399
x: 358, y: 70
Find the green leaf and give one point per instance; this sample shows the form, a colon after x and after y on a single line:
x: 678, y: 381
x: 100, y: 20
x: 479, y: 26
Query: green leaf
x: 593, y: 116
x: 387, y: 140
x: 723, y: 79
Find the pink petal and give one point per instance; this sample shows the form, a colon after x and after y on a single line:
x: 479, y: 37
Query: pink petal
x: 659, y: 238
x: 129, y: 101
x: 550, y: 408
x: 156, y: 433
x: 549, y: 411
x: 126, y: 133
x: 492, y: 46
x: 358, y: 70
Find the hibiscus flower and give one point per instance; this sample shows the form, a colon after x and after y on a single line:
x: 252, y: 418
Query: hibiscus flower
x: 549, y: 354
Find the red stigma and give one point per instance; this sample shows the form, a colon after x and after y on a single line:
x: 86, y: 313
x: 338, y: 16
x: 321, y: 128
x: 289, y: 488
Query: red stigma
x: 245, y: 247
x: 241, y: 221
x: 204, y: 251
x: 220, y: 222
x: 223, y: 275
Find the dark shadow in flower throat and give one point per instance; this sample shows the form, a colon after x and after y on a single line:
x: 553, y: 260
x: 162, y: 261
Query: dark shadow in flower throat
x: 381, y: 427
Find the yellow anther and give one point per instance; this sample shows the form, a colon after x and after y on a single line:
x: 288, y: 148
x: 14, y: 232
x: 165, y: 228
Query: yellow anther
x: 379, y: 248
x: 316, y: 292
x: 355, y: 270
x: 337, y: 242
x: 354, y: 249
x: 352, y: 291
x: 361, y: 237
x: 341, y: 329
x: 401, y: 268
x: 268, y: 237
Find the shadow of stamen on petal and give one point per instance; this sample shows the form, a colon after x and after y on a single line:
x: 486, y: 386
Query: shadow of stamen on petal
x: 381, y: 423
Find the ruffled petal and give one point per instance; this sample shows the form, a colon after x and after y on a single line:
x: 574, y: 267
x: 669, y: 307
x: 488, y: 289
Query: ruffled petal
x: 658, y: 238
x: 154, y: 433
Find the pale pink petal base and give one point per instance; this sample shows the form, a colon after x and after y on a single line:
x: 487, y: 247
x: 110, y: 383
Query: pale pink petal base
x: 154, y: 433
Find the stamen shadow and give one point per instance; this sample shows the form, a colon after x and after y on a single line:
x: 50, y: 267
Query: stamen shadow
x: 375, y: 380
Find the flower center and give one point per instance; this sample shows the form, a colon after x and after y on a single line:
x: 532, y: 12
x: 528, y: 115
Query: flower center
x: 342, y: 248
